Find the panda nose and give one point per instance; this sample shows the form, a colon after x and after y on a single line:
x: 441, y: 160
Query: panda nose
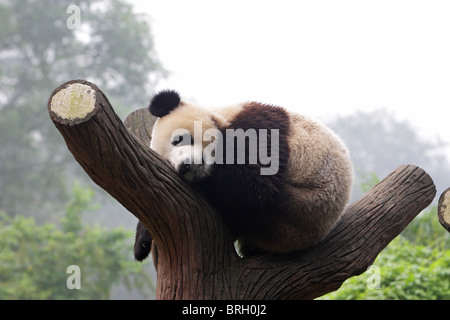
x: 184, y: 168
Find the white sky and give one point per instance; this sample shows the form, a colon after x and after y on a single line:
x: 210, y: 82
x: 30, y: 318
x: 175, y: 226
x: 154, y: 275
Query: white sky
x: 319, y: 58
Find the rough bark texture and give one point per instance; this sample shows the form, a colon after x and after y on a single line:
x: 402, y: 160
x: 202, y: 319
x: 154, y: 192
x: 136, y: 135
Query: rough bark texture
x: 196, y: 256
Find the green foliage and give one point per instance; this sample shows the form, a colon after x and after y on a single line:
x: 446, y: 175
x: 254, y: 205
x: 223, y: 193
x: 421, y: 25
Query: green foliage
x: 34, y: 258
x: 112, y: 46
x: 408, y: 272
x: 415, y: 265
x: 426, y: 230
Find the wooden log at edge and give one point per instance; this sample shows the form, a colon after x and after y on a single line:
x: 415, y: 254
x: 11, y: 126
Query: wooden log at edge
x: 444, y: 209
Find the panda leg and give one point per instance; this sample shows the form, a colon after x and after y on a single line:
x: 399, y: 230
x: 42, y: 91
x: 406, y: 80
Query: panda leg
x: 143, y: 242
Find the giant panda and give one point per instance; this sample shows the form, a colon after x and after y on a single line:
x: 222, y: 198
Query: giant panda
x: 280, y: 180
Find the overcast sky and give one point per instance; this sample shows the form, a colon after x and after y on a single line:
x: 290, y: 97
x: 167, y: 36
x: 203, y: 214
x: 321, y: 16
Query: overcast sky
x: 319, y: 58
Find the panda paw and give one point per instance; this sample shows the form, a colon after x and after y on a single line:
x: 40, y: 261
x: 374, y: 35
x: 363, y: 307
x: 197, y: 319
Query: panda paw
x: 143, y: 243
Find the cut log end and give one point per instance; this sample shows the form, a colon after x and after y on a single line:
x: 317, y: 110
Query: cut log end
x: 73, y: 102
x: 444, y: 209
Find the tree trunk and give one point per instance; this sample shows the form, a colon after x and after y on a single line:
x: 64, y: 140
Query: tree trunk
x: 196, y: 256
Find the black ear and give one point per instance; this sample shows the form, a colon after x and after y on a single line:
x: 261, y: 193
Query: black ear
x: 164, y: 102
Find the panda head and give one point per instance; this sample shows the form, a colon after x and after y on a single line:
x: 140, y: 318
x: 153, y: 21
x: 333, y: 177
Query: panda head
x: 179, y: 134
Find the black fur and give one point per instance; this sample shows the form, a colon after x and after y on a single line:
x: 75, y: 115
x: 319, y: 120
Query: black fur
x: 164, y: 102
x: 247, y: 199
x: 142, y: 243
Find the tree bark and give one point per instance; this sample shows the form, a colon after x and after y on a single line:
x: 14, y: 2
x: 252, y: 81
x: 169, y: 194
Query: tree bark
x: 196, y: 256
x: 444, y: 209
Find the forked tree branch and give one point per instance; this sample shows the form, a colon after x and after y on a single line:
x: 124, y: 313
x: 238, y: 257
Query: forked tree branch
x: 196, y: 256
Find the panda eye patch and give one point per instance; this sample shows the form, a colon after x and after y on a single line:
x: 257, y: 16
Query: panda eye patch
x: 182, y: 140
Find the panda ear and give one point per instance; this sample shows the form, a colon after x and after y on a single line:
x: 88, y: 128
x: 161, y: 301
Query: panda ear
x: 164, y: 102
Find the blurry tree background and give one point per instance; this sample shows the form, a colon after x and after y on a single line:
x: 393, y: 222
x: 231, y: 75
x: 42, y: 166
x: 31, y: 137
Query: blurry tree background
x: 111, y: 46
x: 34, y: 258
x: 415, y: 265
x: 45, y: 196
x: 379, y: 143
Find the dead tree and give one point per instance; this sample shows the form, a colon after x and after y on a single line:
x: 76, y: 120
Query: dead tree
x: 196, y: 256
